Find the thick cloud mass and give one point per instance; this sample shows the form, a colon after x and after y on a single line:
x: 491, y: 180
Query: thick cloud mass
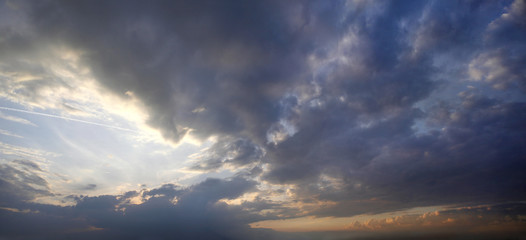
x: 164, y: 213
x: 365, y: 106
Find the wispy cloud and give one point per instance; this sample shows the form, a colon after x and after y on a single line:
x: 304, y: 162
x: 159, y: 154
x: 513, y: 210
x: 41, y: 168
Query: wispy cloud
x: 17, y: 119
x: 25, y: 152
x: 8, y: 133
x: 67, y: 119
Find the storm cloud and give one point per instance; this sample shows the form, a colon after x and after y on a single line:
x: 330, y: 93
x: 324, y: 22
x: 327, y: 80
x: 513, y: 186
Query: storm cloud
x: 166, y: 212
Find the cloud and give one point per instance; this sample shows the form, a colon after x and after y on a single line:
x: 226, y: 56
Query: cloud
x: 8, y: 133
x: 66, y: 118
x: 339, y: 108
x: 500, y: 62
x: 460, y: 162
x: 21, y: 181
x: 357, y: 127
x: 16, y: 119
x: 25, y: 152
x: 196, y: 66
x: 454, y: 221
x: 226, y: 151
x: 195, y: 214
x: 90, y: 186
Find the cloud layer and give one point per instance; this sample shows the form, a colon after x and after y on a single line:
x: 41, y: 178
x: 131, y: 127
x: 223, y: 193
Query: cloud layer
x: 315, y: 108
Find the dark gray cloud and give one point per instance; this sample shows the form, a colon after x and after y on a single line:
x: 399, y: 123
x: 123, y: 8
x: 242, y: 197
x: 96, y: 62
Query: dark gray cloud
x: 90, y: 186
x: 167, y: 212
x: 467, y: 160
x: 21, y: 180
x: 500, y: 61
x: 178, y: 57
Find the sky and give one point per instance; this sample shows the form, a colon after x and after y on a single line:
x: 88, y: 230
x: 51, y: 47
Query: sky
x: 262, y: 119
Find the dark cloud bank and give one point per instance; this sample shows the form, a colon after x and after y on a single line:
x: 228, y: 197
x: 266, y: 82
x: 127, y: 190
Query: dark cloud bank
x: 405, y: 103
x: 196, y: 214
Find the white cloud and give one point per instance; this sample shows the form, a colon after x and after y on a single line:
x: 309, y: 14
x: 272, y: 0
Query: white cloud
x: 17, y: 119
x: 8, y: 133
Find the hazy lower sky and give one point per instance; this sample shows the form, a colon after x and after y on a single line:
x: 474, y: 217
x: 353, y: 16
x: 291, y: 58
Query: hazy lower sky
x: 262, y: 119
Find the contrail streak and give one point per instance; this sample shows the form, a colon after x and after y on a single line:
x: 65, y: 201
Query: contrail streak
x: 66, y: 118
